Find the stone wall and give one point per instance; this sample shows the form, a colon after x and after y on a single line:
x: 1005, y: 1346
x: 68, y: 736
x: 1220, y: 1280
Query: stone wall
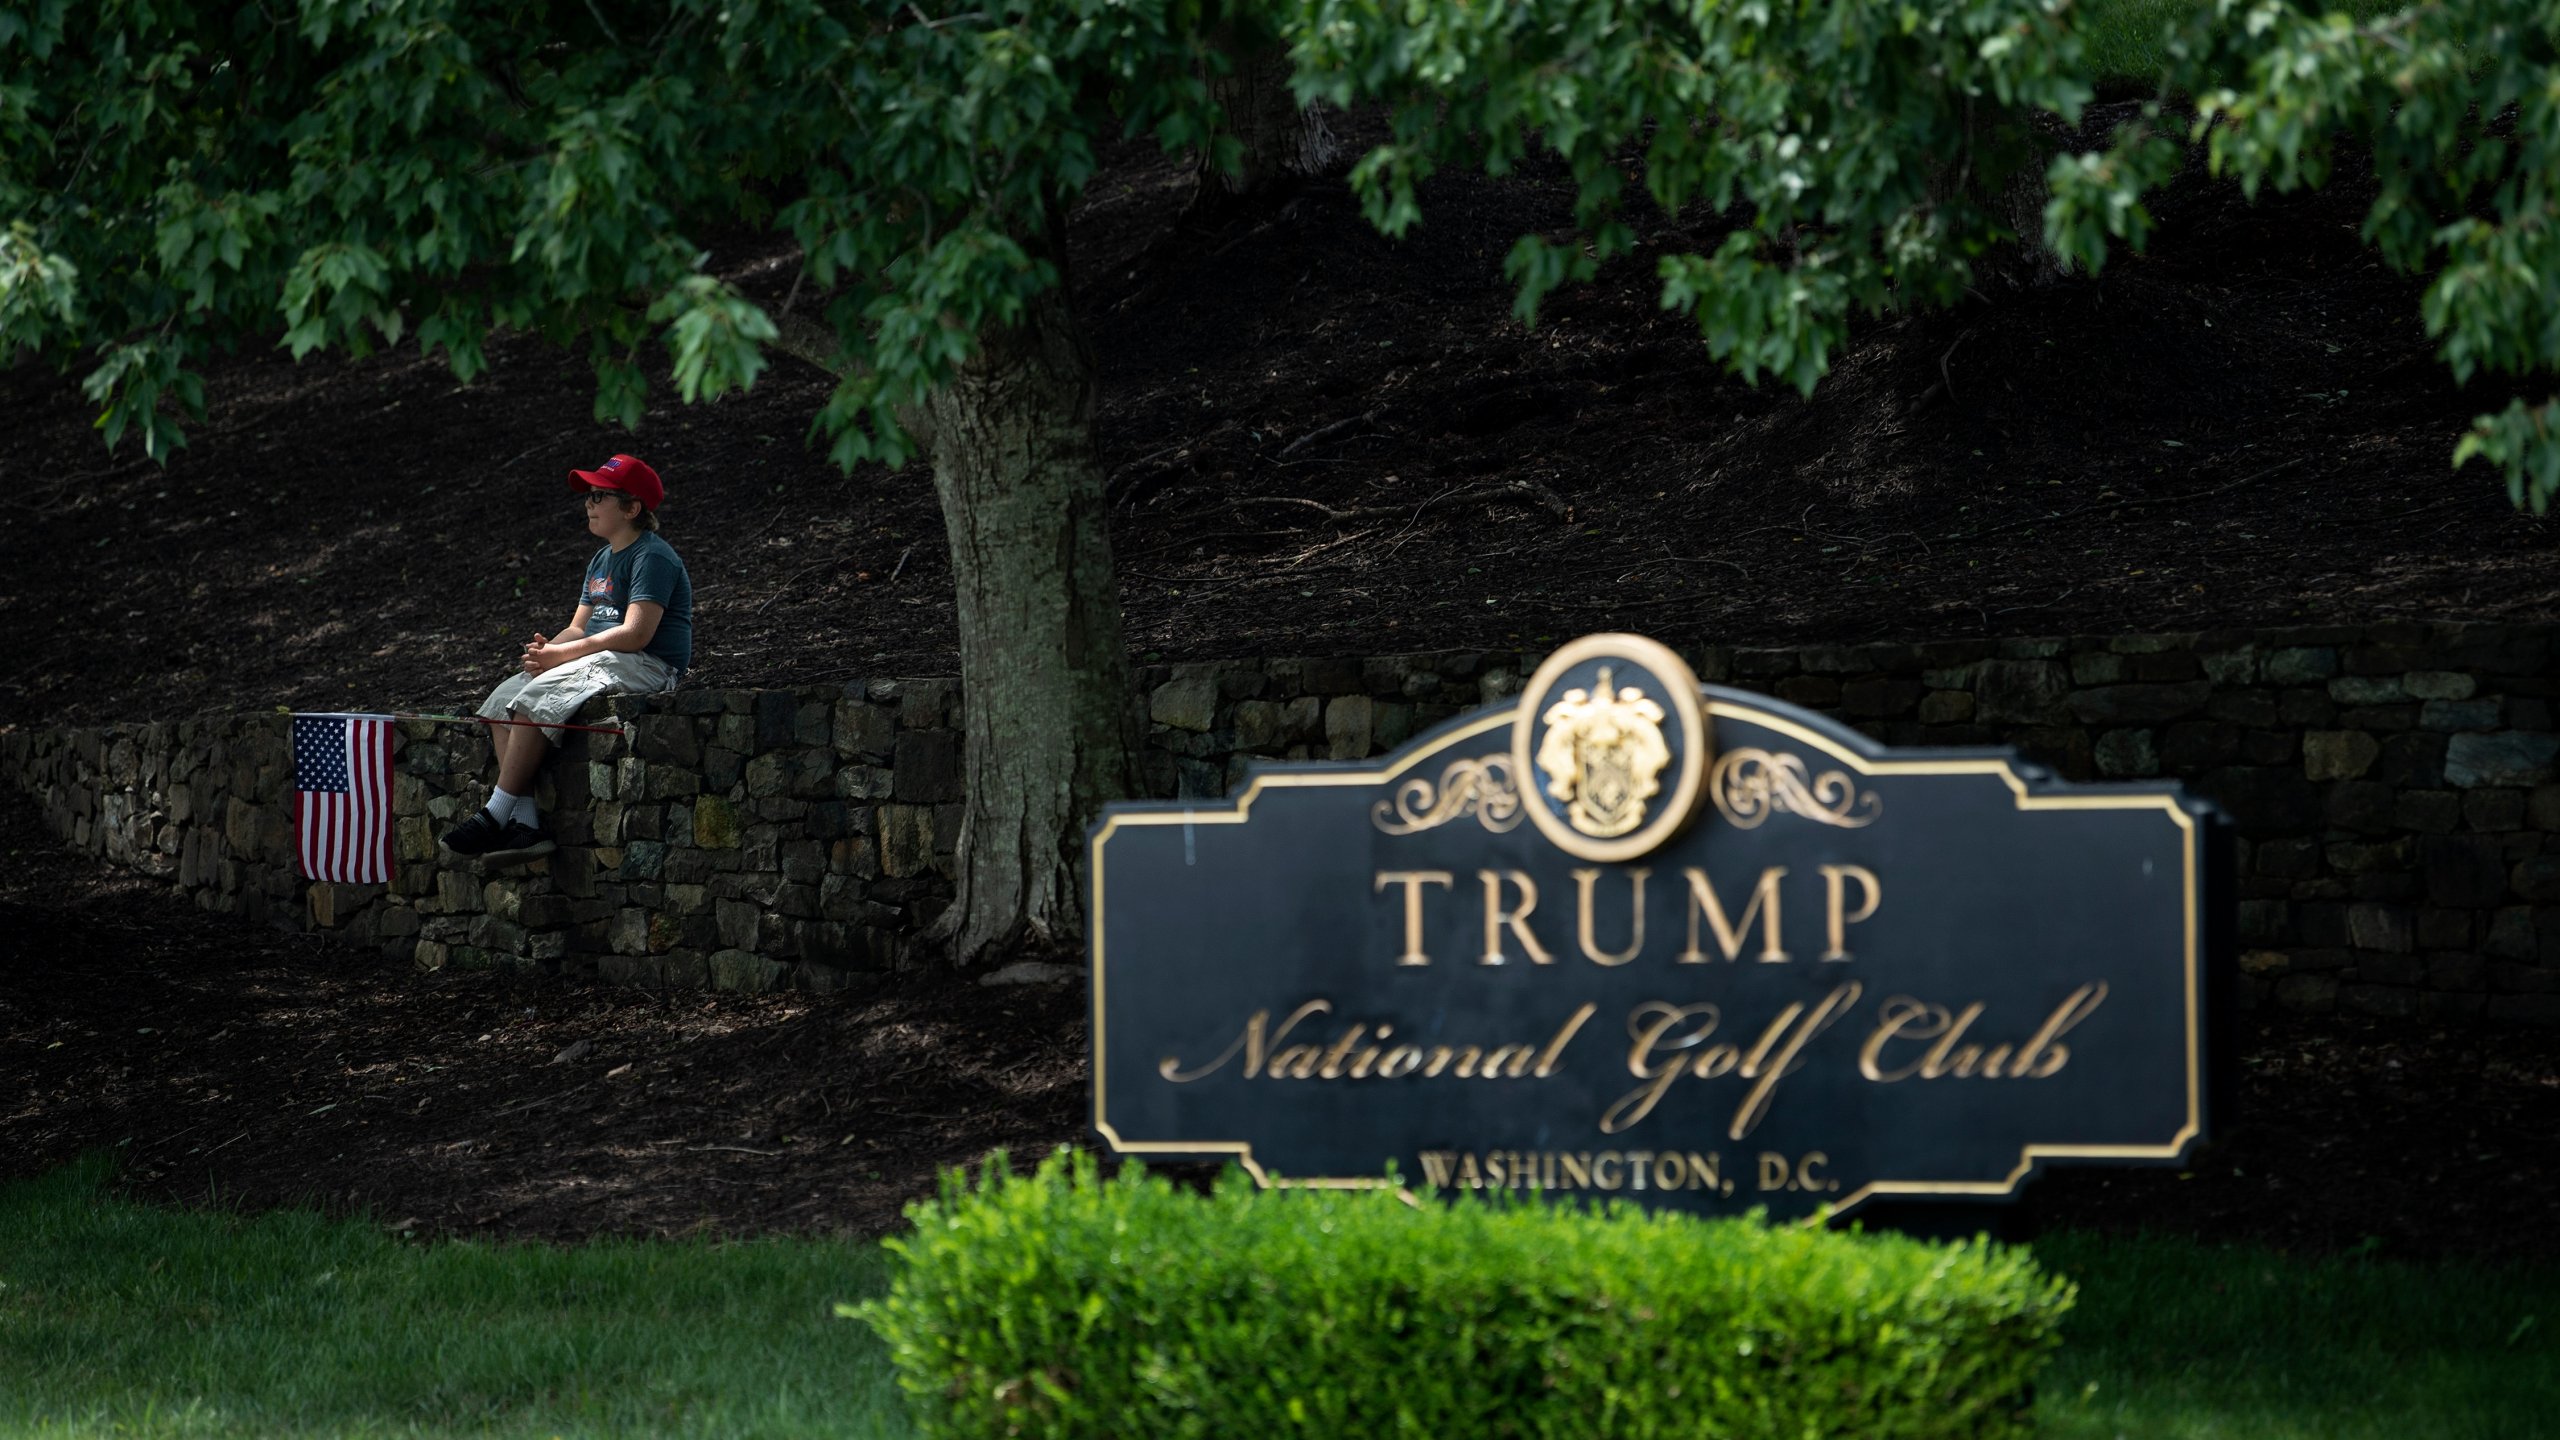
x: 731, y: 838
x: 2392, y: 785
x: 2394, y: 788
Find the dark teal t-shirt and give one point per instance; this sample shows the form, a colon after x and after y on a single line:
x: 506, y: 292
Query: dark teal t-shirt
x: 647, y: 569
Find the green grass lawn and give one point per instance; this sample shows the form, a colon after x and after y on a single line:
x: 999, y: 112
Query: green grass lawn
x: 121, y: 1320
x: 2176, y: 1341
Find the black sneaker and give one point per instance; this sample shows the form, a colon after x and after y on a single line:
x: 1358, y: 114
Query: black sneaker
x: 476, y: 836
x: 518, y: 842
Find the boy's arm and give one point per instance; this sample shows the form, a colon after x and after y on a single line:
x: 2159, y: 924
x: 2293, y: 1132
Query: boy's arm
x: 639, y: 625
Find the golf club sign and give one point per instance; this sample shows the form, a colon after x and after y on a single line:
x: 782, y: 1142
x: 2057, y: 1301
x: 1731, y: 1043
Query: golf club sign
x: 1634, y: 937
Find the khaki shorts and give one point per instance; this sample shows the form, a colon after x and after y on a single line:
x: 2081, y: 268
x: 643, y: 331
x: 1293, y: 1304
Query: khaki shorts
x: 554, y: 696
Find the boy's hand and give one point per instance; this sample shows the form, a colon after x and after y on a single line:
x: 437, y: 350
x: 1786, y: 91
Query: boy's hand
x: 537, y: 642
x: 539, y: 658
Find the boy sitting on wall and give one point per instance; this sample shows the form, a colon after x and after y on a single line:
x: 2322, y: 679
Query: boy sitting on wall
x: 632, y: 635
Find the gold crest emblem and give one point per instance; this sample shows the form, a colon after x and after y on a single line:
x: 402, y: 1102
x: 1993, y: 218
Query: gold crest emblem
x: 1613, y: 764
x: 1603, y: 756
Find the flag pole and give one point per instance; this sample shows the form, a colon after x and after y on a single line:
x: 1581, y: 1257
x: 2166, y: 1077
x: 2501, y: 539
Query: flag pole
x: 453, y: 720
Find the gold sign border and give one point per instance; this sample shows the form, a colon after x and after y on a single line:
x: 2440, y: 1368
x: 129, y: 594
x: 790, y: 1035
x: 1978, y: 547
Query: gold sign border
x: 1696, y: 750
x: 1238, y: 810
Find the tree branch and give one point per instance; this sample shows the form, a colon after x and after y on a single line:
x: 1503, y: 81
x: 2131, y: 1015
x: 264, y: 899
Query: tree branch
x: 811, y: 343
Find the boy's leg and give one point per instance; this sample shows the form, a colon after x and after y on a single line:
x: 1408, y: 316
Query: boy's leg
x: 491, y: 830
x: 520, y: 758
x: 520, y: 750
x: 519, y: 834
x: 549, y: 699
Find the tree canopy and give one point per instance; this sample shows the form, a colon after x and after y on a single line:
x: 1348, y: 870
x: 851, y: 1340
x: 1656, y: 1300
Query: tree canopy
x: 1869, y: 155
x: 2459, y: 104
x: 355, y: 173
x: 1857, y: 144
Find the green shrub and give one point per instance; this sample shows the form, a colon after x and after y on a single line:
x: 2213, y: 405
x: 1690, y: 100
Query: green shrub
x: 1065, y: 1305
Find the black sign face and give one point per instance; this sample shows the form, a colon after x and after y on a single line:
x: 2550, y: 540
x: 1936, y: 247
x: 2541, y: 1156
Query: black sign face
x: 1631, y: 937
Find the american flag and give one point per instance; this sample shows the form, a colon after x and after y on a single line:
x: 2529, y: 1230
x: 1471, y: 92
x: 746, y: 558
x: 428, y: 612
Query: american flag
x: 342, y: 796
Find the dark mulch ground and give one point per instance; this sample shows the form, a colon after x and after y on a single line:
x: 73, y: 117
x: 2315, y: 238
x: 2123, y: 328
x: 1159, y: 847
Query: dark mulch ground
x: 2244, y: 427
x: 228, y: 1064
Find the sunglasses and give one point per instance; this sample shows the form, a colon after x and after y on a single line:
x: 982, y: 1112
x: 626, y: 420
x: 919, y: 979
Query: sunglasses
x: 593, y: 498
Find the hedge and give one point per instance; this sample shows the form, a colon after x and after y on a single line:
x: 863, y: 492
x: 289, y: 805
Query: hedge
x: 1065, y: 1305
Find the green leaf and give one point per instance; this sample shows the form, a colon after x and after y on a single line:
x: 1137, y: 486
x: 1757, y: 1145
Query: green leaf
x: 716, y: 339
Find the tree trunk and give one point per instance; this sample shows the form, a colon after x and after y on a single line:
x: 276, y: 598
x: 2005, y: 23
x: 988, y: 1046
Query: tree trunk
x: 1044, y: 674
x: 1283, y: 142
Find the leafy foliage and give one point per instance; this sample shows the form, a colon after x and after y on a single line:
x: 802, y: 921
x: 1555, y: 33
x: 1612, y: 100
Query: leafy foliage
x: 353, y: 173
x: 1063, y: 1305
x: 2459, y: 101
x: 1855, y: 148
x: 1854, y: 140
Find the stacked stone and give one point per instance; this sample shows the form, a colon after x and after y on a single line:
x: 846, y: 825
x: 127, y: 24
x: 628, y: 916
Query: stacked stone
x: 205, y: 804
x: 2396, y: 789
x: 1208, y: 724
x: 741, y: 839
x: 2393, y: 785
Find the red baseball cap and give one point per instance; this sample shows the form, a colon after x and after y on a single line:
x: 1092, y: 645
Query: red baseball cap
x: 626, y: 473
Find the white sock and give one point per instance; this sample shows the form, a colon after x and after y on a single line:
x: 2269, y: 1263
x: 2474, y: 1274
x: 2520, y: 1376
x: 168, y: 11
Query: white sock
x: 527, y: 813
x: 505, y: 808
